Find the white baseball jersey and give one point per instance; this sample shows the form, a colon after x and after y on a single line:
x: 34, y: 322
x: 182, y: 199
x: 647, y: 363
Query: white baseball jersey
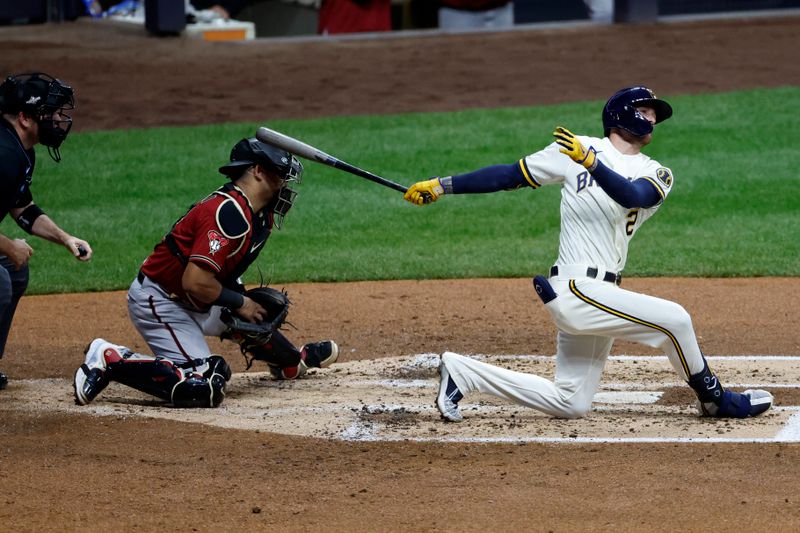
x: 595, y: 230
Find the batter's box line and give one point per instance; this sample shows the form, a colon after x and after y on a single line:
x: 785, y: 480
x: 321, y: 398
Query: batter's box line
x: 434, y: 383
x: 361, y: 430
x: 541, y: 357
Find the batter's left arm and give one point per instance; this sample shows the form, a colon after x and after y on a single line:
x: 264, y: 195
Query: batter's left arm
x: 628, y: 194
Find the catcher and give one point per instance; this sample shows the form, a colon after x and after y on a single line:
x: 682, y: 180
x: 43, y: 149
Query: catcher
x: 189, y: 288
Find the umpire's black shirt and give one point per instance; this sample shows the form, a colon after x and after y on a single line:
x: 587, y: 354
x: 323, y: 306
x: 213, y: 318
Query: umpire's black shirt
x: 16, y: 170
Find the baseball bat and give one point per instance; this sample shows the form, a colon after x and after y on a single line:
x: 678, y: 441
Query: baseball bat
x: 292, y: 145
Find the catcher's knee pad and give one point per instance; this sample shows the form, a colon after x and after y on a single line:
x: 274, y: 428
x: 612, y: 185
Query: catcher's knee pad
x: 196, y: 390
x: 217, y: 366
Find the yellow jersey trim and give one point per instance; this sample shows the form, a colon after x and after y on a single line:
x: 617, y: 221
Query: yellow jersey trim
x: 620, y: 314
x: 528, y: 176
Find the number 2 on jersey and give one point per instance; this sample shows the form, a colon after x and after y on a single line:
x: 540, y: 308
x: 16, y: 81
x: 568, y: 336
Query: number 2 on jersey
x: 633, y: 214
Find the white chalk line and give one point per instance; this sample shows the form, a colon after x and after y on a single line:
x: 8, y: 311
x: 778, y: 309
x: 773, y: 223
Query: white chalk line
x: 612, y: 398
x: 427, y: 384
x: 641, y: 357
x: 367, y: 431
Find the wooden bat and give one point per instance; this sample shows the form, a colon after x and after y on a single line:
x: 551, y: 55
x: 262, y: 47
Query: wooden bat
x: 292, y: 145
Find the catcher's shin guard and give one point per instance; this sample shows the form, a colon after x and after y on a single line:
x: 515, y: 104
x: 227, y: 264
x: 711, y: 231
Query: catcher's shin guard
x: 163, y: 379
x: 282, y: 357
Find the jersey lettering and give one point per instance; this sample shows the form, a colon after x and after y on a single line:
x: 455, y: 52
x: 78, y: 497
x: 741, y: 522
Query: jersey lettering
x: 584, y: 180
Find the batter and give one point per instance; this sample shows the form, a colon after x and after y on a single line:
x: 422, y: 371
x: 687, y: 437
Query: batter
x: 609, y: 188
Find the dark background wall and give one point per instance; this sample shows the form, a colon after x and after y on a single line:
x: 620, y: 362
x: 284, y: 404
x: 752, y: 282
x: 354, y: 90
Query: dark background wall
x: 275, y: 17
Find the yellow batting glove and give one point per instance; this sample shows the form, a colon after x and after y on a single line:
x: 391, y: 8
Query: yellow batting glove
x: 424, y: 192
x: 574, y: 149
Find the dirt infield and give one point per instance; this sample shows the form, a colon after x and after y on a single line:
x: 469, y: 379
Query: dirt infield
x: 118, y: 468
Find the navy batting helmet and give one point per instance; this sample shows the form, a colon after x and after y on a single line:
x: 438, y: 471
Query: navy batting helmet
x: 620, y: 111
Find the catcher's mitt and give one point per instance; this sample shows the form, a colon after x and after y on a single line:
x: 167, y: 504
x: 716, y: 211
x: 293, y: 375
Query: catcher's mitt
x: 252, y: 338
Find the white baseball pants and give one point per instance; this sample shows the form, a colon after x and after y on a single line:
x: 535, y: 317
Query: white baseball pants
x: 589, y: 314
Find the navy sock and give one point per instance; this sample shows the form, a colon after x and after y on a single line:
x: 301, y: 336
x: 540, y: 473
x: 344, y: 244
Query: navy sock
x: 452, y: 391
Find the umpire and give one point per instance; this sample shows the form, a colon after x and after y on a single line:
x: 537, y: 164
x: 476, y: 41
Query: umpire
x: 33, y: 111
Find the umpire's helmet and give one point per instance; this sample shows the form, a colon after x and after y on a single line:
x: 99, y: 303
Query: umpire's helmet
x: 620, y: 111
x: 40, y: 96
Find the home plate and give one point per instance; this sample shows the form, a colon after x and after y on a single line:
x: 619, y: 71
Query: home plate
x: 641, y: 399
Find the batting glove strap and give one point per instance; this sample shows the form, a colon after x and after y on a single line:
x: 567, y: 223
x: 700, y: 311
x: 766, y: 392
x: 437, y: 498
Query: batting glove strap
x: 447, y: 184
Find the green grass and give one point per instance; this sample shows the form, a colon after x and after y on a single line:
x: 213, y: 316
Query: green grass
x: 733, y: 211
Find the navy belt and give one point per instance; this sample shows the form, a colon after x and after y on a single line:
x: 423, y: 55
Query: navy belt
x: 592, y: 272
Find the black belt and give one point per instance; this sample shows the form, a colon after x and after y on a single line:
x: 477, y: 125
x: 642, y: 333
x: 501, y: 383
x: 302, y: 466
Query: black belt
x: 592, y: 272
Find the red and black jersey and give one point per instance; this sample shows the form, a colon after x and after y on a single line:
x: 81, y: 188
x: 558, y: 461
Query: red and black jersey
x: 221, y: 233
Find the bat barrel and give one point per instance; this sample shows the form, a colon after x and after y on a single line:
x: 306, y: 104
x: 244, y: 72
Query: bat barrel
x: 306, y: 151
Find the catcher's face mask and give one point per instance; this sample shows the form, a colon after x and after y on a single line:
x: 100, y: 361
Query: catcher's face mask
x: 286, y: 195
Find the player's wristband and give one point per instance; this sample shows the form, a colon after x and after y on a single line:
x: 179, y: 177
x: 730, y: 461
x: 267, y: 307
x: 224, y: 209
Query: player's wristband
x: 447, y: 184
x: 228, y: 298
x: 28, y: 216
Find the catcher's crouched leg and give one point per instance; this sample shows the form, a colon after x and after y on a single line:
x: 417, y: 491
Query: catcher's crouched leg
x: 201, y: 387
x: 314, y: 355
x: 264, y: 341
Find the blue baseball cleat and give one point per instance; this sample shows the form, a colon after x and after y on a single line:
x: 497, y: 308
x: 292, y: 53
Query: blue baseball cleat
x: 735, y: 405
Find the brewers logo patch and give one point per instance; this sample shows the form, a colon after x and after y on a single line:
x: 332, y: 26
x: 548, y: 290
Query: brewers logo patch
x: 215, y: 242
x: 664, y: 176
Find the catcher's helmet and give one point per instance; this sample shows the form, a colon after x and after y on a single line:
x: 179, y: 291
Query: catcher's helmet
x: 40, y: 96
x: 248, y: 152
x: 620, y: 111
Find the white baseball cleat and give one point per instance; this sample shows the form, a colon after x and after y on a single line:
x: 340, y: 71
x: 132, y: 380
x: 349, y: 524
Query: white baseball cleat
x: 448, y: 397
x: 90, y: 378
